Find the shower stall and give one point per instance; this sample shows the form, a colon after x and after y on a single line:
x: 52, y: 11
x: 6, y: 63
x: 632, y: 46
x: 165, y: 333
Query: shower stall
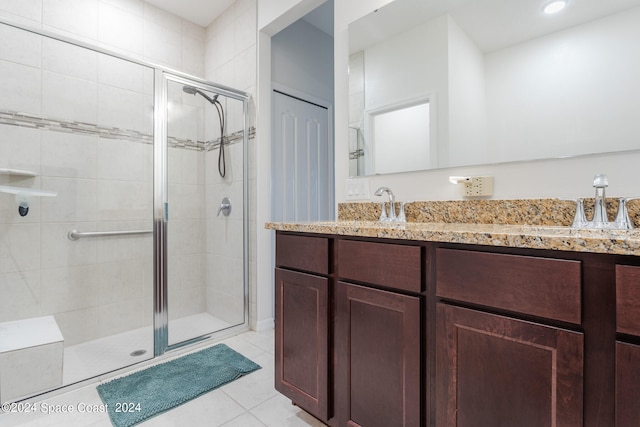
x: 123, y: 211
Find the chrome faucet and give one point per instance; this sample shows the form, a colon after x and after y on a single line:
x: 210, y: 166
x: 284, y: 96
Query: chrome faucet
x: 600, y: 217
x: 392, y: 204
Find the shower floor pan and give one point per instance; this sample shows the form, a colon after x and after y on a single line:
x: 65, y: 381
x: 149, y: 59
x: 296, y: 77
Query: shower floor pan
x: 93, y: 358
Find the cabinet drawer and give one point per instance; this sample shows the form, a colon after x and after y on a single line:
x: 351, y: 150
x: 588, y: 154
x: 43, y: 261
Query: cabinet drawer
x: 385, y: 264
x: 628, y: 299
x: 303, y: 253
x: 545, y: 287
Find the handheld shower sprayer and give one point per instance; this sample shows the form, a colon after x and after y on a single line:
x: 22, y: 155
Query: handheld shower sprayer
x: 222, y: 163
x: 192, y: 91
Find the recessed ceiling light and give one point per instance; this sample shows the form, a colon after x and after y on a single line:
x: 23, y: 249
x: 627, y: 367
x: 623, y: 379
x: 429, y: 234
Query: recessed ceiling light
x: 555, y: 7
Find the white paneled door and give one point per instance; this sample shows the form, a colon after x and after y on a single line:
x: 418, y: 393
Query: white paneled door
x: 301, y: 160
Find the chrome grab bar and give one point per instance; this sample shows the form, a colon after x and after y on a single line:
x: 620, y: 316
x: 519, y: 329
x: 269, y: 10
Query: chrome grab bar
x: 75, y: 234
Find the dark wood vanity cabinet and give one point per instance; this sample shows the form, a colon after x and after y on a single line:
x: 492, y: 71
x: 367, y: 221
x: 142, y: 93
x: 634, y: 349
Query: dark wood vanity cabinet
x: 376, y: 332
x: 627, y: 385
x: 628, y: 353
x: 302, y: 322
x: 498, y: 370
x: 378, y: 358
x: 349, y: 338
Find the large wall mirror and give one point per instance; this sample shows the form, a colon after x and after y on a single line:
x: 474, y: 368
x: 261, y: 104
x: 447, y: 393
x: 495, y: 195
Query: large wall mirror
x: 469, y: 82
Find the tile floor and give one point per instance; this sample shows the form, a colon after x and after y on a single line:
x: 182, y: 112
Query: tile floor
x: 247, y: 402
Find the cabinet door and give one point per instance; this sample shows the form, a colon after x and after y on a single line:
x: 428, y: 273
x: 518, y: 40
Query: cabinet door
x: 302, y: 340
x: 627, y: 385
x: 498, y: 371
x: 377, y: 343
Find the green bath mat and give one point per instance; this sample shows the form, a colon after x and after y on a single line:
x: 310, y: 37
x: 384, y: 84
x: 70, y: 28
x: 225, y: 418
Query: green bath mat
x: 144, y: 394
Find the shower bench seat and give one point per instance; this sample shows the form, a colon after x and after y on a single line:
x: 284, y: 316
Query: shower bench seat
x: 31, y: 352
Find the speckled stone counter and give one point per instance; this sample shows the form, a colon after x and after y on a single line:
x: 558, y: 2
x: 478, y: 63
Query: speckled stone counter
x: 525, y: 223
x: 620, y: 242
x: 553, y: 212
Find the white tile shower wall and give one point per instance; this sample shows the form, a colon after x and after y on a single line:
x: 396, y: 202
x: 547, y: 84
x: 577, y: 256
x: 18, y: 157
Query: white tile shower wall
x: 128, y: 26
x: 21, y: 150
x: 231, y: 46
x: 224, y: 237
x: 95, y: 287
x: 186, y: 269
x: 26, y: 84
x: 231, y: 60
x: 26, y: 10
x: 187, y: 114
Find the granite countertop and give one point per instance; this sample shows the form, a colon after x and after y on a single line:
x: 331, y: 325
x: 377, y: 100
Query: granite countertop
x: 620, y: 242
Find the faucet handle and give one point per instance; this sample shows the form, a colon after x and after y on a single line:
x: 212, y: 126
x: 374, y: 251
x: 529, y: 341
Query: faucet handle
x: 401, y: 216
x: 622, y: 220
x: 579, y: 219
x: 383, y: 213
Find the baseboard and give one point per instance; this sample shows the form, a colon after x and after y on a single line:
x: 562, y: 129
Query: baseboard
x: 264, y: 325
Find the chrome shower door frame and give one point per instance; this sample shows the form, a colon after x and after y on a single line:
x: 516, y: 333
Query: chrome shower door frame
x: 161, y: 203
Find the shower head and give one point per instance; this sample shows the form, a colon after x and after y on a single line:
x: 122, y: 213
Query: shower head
x: 192, y: 91
x: 189, y: 89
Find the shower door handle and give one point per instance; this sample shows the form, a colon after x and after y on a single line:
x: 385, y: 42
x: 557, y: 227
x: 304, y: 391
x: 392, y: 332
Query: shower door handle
x: 225, y: 207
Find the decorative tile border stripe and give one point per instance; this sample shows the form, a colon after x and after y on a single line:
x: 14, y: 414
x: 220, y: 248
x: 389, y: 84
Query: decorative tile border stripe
x: 13, y: 118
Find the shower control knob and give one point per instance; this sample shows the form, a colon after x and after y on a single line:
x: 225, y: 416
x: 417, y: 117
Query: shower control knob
x: 225, y: 207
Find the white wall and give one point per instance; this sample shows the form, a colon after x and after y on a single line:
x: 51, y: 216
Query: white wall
x: 273, y: 16
x: 302, y: 59
x: 550, y: 178
x: 436, y: 60
x: 408, y: 66
x: 413, y: 65
x: 578, y: 87
x: 401, y: 139
x: 467, y: 107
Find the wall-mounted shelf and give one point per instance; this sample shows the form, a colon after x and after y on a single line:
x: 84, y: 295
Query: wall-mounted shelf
x: 17, y: 172
x: 27, y: 191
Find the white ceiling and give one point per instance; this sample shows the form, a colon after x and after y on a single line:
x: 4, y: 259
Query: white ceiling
x: 201, y: 12
x: 204, y: 12
x: 492, y: 24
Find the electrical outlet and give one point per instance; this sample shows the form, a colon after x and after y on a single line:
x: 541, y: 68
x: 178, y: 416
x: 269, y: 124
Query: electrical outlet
x: 478, y: 186
x: 357, y: 189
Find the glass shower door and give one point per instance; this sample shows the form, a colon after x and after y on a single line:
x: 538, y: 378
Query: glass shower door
x: 76, y: 133
x: 205, y: 224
